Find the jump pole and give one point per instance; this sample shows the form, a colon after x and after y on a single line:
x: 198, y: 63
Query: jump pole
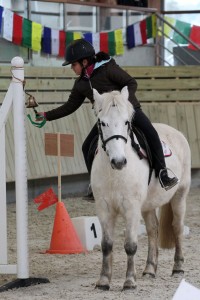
x: 21, y: 189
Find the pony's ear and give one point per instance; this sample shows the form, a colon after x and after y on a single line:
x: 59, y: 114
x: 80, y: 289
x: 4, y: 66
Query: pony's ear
x: 124, y: 93
x: 97, y: 101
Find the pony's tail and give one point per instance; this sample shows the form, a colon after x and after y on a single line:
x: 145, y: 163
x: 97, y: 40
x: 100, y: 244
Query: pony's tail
x: 166, y: 234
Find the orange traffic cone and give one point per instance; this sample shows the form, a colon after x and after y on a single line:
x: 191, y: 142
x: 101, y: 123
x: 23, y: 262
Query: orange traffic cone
x: 64, y: 238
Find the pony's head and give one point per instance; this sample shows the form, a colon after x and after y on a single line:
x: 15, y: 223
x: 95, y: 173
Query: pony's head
x: 114, y: 112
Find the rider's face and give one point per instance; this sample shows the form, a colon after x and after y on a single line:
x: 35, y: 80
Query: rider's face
x: 77, y: 68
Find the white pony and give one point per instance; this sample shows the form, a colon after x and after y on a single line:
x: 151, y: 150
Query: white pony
x: 119, y: 181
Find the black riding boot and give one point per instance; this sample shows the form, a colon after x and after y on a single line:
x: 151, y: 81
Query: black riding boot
x: 142, y: 122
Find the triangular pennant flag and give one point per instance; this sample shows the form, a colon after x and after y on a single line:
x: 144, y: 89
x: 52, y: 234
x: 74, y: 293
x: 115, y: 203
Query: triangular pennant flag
x: 46, y: 40
x: 26, y: 33
x: 195, y: 37
x: 8, y: 24
x: 104, y: 42
x: 46, y: 199
x: 62, y: 43
x: 17, y: 29
x: 185, y: 29
x: 36, y: 36
x: 54, y: 42
x: 119, y: 42
x: 1, y: 15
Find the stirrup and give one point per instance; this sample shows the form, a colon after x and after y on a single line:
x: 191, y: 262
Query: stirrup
x: 174, y: 180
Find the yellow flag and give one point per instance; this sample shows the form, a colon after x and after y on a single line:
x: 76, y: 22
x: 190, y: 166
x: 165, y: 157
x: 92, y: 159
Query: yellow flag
x: 119, y: 42
x: 36, y: 36
x: 77, y: 35
x: 167, y: 29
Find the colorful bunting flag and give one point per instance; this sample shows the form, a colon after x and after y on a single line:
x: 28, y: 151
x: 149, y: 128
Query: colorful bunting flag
x: 36, y: 36
x: 119, y: 42
x: 167, y: 29
x: 95, y: 42
x: 17, y: 29
x: 143, y: 29
x: 46, y: 40
x: 137, y: 34
x: 26, y: 33
x: 195, y: 37
x: 1, y: 14
x: 111, y: 43
x: 151, y: 24
x: 104, y: 42
x: 54, y: 42
x: 8, y: 24
x: 88, y: 37
x: 185, y: 29
x: 62, y: 43
x: 130, y: 37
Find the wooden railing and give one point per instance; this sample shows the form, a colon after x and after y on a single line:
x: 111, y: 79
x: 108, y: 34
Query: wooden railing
x: 168, y: 95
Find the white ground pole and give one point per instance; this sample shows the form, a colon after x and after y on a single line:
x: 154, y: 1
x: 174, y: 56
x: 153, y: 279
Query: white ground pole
x: 15, y: 96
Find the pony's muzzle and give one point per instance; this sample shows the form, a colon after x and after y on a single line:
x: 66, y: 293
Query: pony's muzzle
x: 118, y: 164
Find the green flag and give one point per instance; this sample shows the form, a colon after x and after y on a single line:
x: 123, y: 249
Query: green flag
x: 185, y: 29
x: 26, y: 33
x: 111, y: 43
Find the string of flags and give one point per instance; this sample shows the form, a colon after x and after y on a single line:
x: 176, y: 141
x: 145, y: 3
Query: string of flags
x: 29, y: 34
x: 32, y: 35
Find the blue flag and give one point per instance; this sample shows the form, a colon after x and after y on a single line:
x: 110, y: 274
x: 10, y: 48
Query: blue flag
x: 46, y: 40
x: 1, y: 12
x: 130, y: 38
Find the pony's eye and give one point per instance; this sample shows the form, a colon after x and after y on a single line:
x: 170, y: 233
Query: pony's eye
x: 103, y: 124
x: 126, y: 123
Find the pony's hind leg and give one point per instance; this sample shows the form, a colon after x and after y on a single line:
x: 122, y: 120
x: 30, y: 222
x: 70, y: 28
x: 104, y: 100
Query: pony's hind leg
x: 178, y: 204
x: 107, y: 225
x: 151, y: 223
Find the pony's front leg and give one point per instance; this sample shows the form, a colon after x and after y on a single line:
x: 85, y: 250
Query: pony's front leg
x: 151, y: 223
x: 107, y: 245
x: 130, y: 247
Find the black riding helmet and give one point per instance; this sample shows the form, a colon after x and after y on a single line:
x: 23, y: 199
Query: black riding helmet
x: 77, y: 50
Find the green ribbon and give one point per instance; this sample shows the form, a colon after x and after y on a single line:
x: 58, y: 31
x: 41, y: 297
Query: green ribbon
x: 37, y: 124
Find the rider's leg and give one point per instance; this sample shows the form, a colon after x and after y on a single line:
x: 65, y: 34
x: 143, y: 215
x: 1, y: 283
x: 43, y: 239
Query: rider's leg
x: 140, y: 120
x: 88, y: 149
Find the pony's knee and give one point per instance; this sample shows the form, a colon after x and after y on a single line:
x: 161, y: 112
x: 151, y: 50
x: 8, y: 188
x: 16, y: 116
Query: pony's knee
x: 106, y: 246
x: 130, y: 248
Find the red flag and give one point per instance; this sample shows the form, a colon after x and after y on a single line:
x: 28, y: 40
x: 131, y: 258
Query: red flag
x: 194, y: 36
x: 17, y: 29
x: 62, y: 43
x: 104, y: 42
x: 46, y: 199
x: 143, y: 29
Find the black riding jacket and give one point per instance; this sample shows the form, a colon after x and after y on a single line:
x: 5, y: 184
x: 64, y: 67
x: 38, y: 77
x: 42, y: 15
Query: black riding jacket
x: 105, y: 78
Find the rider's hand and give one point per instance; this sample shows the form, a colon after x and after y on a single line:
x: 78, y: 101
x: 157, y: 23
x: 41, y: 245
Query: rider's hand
x: 40, y: 116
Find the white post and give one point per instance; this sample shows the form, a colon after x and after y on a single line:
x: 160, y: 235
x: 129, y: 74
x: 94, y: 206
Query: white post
x: 20, y: 167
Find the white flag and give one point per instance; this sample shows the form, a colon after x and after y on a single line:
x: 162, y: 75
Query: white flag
x: 54, y: 42
x: 8, y: 24
x: 137, y: 34
x: 96, y: 42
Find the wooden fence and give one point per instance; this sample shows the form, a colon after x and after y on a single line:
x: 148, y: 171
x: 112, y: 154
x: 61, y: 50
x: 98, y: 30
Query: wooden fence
x: 169, y: 95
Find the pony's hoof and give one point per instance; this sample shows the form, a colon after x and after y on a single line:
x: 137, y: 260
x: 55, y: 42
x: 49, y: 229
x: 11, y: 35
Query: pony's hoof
x: 148, y: 275
x: 177, y: 272
x: 129, y: 285
x: 104, y: 287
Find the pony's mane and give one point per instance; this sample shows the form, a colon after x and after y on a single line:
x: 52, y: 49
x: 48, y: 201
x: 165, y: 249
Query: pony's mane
x: 115, y: 98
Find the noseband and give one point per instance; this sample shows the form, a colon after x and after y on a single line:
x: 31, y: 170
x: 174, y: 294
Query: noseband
x: 116, y: 136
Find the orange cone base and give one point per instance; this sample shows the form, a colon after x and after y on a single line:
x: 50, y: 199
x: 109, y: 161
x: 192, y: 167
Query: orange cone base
x: 64, y: 238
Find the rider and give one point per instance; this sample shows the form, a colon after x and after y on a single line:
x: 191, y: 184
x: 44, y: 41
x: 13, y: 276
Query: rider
x: 101, y: 72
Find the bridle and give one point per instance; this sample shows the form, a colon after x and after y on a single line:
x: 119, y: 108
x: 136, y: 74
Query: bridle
x: 115, y: 136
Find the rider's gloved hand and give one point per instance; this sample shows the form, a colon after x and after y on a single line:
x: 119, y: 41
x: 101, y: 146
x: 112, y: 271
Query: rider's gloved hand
x: 40, y: 116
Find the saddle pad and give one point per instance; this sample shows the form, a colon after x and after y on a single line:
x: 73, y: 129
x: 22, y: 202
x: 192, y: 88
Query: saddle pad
x: 166, y: 150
